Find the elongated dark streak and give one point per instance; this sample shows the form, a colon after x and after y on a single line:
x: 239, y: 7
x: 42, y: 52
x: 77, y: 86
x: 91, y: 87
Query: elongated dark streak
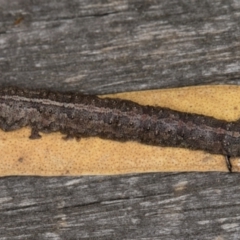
x: 228, y: 163
x: 77, y: 115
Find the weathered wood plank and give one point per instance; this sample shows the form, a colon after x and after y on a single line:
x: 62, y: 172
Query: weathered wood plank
x: 144, y: 206
x: 113, y: 46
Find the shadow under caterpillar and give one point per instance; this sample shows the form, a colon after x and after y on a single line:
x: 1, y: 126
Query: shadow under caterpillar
x: 77, y: 115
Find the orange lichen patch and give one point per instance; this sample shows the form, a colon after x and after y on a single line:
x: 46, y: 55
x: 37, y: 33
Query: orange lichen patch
x: 53, y: 156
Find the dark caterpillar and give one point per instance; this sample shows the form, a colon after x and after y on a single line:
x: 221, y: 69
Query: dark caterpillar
x: 77, y: 115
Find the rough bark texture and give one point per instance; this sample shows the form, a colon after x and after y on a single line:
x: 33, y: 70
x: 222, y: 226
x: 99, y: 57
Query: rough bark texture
x: 112, y: 46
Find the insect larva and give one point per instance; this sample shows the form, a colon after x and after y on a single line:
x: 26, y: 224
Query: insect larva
x: 77, y: 115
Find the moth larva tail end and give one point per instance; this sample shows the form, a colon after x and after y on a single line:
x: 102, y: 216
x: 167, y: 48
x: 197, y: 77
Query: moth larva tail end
x: 228, y: 163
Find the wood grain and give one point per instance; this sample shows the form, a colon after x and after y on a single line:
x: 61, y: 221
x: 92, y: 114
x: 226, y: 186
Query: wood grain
x: 118, y: 46
x: 143, y: 206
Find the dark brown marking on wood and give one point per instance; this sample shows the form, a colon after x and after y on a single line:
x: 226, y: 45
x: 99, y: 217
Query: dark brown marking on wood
x: 18, y: 20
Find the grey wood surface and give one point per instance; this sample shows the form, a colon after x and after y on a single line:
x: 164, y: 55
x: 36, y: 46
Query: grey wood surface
x: 113, y: 46
x: 143, y: 206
